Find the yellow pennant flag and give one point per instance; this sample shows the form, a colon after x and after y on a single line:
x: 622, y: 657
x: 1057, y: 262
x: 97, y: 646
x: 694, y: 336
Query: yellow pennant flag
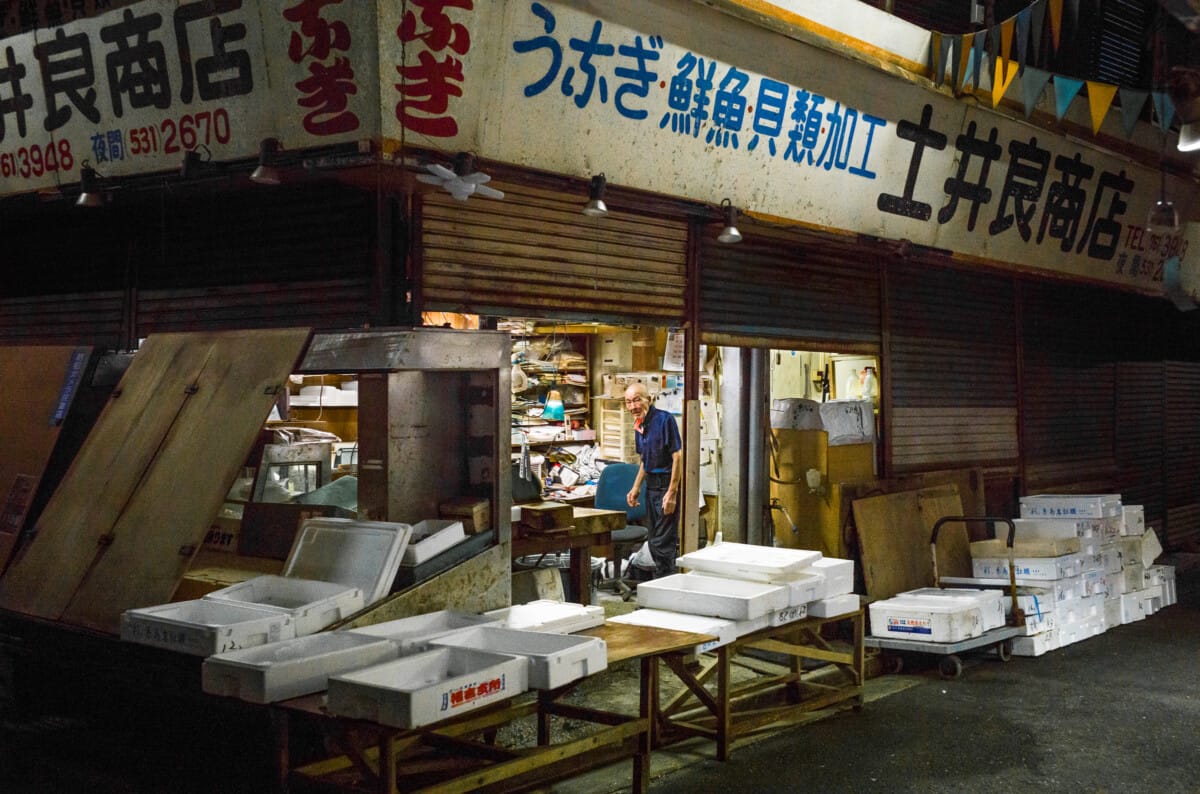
x: 1006, y: 34
x: 1006, y: 72
x: 1056, y: 21
x: 1100, y: 97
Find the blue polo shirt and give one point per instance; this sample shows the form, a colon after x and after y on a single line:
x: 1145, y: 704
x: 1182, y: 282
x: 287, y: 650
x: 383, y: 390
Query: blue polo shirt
x: 657, y: 439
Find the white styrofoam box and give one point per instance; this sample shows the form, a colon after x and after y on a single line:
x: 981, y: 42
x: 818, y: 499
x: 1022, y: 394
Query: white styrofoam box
x: 1132, y: 576
x: 430, y: 538
x: 796, y: 413
x: 1035, y: 568
x: 364, y: 554
x: 312, y: 604
x: 747, y: 561
x: 1169, y: 593
x: 805, y: 587
x: 1112, y: 611
x: 1036, y: 645
x: 414, y: 633
x: 1153, y: 575
x: 724, y: 631
x: 1048, y: 589
x: 1026, y: 547
x: 789, y: 614
x: 1036, y: 623
x: 848, y: 421
x: 562, y: 617
x: 990, y: 602
x: 291, y: 668
x: 1110, y: 554
x: 204, y: 627
x: 1079, y: 610
x: 1151, y: 548
x: 1141, y: 549
x: 925, y: 619
x: 1036, y: 600
x: 1132, y: 608
x: 554, y: 659
x: 1080, y: 630
x: 1104, y: 529
x: 1095, y: 582
x: 835, y: 606
x: 616, y: 350
x: 1134, y: 520
x: 427, y: 687
x: 838, y: 573
x: 1071, y: 506
x: 735, y: 599
x: 1091, y: 562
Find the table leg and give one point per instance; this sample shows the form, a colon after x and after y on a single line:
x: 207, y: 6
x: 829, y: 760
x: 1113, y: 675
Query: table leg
x: 387, y: 763
x: 280, y: 723
x: 647, y: 711
x: 581, y: 573
x: 724, y: 718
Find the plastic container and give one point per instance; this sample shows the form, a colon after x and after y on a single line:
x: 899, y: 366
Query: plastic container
x: 430, y: 538
x: 291, y: 668
x: 734, y: 599
x: 546, y: 615
x: 554, y: 659
x: 414, y: 634
x: 427, y: 687
x: 749, y: 562
x: 204, y: 627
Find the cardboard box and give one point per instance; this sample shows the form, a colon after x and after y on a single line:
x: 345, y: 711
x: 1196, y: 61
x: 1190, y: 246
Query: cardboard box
x: 475, y: 513
x: 1026, y: 547
x: 547, y: 515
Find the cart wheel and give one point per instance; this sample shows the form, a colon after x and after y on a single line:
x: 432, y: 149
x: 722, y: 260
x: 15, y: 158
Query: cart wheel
x: 950, y: 666
x: 1004, y: 650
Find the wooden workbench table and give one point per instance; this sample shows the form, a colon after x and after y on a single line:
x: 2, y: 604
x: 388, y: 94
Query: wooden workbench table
x: 591, y: 527
x: 460, y: 754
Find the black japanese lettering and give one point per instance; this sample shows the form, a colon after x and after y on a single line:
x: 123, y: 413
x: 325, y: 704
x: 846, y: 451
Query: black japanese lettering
x: 957, y: 186
x: 222, y: 74
x: 1102, y: 234
x: 922, y: 136
x: 17, y: 102
x: 1028, y: 165
x: 137, y: 67
x: 67, y: 70
x: 1065, y: 200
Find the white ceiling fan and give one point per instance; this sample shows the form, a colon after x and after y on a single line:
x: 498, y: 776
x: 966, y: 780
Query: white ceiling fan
x: 461, y: 182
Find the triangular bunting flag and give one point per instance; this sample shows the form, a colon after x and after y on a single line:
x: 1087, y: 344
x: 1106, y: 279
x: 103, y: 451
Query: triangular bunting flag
x: 956, y: 61
x: 1022, y: 39
x: 1164, y: 109
x: 1006, y: 36
x: 935, y: 51
x: 1033, y: 84
x: 1055, y: 21
x: 977, y: 52
x: 1065, y: 91
x: 1006, y: 71
x: 943, y: 57
x: 1037, y: 27
x: 1100, y: 97
x: 1132, y: 102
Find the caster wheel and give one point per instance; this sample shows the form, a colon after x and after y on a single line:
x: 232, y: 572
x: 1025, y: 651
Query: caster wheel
x: 1004, y: 650
x: 950, y: 666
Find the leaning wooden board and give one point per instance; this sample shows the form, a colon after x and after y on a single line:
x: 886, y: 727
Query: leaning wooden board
x: 124, y: 523
x: 893, y: 537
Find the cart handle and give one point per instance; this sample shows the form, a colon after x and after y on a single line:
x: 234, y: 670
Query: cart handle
x: 1012, y: 528
x: 1018, y: 618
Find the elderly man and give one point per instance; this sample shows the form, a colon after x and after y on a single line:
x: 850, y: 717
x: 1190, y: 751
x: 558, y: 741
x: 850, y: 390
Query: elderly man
x: 660, y: 447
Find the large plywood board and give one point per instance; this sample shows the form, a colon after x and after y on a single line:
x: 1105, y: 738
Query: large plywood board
x: 165, y: 521
x: 893, y: 537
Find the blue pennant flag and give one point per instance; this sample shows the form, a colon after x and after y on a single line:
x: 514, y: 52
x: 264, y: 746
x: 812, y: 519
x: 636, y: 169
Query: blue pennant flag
x: 1033, y: 85
x: 1132, y: 102
x: 1065, y: 91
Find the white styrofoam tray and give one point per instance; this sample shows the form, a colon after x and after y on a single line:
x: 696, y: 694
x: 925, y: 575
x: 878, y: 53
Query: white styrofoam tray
x: 747, y: 561
x: 364, y: 554
x: 430, y: 538
x: 291, y: 668
x: 926, y: 620
x: 563, y: 617
x: 734, y: 599
x: 833, y: 606
x: 725, y: 631
x: 554, y: 659
x: 413, y: 634
x: 202, y: 627
x: 427, y: 687
x: 312, y: 604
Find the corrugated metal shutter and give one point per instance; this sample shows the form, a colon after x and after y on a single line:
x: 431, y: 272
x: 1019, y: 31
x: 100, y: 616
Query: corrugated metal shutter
x: 1141, y: 418
x: 535, y: 254
x: 1069, y: 389
x: 92, y: 318
x: 261, y: 258
x: 809, y: 288
x: 1182, y: 452
x: 951, y: 364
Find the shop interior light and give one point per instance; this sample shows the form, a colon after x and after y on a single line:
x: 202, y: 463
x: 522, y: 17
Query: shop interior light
x: 463, y: 181
x: 595, y: 207
x: 195, y: 162
x: 267, y: 172
x: 1189, y: 137
x: 91, y: 193
x: 730, y: 233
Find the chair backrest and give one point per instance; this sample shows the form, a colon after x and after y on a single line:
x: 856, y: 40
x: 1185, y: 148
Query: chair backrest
x: 615, y: 481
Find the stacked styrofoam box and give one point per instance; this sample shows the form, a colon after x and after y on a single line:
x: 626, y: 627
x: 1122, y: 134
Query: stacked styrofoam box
x: 937, y: 615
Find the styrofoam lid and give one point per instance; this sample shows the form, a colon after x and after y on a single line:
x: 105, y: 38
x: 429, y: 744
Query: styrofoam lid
x: 363, y: 554
x: 748, y: 557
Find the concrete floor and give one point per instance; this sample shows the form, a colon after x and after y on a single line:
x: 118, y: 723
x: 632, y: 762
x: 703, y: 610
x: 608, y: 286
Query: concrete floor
x: 1116, y: 713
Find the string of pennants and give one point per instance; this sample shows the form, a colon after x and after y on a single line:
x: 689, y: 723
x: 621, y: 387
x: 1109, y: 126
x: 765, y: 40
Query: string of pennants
x: 998, y: 55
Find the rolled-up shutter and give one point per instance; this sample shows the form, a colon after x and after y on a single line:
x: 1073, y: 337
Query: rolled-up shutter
x: 1182, y: 454
x: 534, y: 253
x: 78, y: 318
x: 1142, y: 448
x: 951, y: 364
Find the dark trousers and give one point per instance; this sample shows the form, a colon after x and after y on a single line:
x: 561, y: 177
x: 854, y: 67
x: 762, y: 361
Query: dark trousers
x: 663, y: 534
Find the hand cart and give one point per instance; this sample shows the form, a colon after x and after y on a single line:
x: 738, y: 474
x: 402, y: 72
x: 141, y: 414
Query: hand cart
x: 950, y: 665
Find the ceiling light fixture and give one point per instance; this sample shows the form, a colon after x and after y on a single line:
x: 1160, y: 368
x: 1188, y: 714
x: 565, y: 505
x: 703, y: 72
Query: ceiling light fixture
x: 461, y: 183
x: 730, y: 233
x: 595, y: 207
x: 195, y: 161
x: 267, y: 172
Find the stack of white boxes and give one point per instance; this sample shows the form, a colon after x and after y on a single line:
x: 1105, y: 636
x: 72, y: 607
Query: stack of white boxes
x: 1080, y: 565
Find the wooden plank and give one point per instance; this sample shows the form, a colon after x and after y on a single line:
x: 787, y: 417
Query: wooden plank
x: 893, y: 535
x: 104, y: 475
x: 164, y: 523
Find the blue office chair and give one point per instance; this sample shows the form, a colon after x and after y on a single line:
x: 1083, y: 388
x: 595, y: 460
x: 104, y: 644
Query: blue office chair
x: 615, y: 481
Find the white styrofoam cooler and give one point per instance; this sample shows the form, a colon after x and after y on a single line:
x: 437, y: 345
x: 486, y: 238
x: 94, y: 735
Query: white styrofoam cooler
x: 414, y: 633
x: 430, y: 538
x: 990, y: 602
x: 724, y: 631
x: 291, y: 668
x: 1134, y: 520
x: 202, y: 627
x: 1071, y: 506
x: 734, y: 599
x: 312, y: 604
x: 1036, y: 645
x: 427, y: 687
x: 749, y: 562
x: 838, y: 573
x: 926, y: 619
x: 554, y: 659
x: 1103, y: 529
x: 834, y: 606
x: 1032, y: 568
x: 563, y: 617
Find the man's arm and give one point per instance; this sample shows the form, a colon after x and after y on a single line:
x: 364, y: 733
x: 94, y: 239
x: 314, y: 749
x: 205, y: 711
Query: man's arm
x: 631, y: 498
x: 670, y: 497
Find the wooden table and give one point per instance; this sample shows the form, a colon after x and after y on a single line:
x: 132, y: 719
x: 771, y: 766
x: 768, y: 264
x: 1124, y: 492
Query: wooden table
x: 740, y: 709
x: 591, y: 527
x: 460, y: 754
